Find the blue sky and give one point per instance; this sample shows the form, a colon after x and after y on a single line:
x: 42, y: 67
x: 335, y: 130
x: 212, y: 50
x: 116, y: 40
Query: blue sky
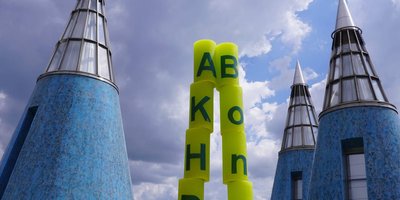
x: 152, y: 54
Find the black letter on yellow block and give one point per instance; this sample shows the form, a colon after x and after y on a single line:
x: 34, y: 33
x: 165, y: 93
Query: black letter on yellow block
x: 235, y: 158
x: 200, y: 107
x: 232, y: 119
x: 189, y: 197
x: 224, y: 66
x: 206, y: 57
x: 201, y: 156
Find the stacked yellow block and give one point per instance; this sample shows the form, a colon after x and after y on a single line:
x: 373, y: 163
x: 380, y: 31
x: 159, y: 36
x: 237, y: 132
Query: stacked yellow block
x: 215, y: 66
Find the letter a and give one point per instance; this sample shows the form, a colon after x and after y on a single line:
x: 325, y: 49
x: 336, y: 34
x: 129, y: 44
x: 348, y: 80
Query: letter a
x: 206, y: 57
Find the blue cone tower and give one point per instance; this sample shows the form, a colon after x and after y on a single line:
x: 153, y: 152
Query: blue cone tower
x: 358, y: 151
x: 69, y: 143
x: 293, y: 171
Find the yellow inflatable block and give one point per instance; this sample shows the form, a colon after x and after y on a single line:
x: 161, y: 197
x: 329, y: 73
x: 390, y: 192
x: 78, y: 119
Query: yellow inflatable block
x: 234, y: 156
x: 191, y: 189
x: 240, y: 190
x: 231, y: 108
x: 227, y: 64
x: 204, y: 68
x: 201, y: 110
x: 197, y: 154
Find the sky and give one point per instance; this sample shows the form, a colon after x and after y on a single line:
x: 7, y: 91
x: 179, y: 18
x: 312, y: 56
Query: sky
x: 152, y: 46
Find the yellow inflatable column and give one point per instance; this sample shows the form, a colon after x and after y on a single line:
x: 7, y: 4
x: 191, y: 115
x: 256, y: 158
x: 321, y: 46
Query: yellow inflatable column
x: 197, y: 154
x: 234, y: 150
x: 191, y: 189
x: 201, y: 123
x: 240, y: 190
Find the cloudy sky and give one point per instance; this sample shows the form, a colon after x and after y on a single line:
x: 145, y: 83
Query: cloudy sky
x: 152, y: 54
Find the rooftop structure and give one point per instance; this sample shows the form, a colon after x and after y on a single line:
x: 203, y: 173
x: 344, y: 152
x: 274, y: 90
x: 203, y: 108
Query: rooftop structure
x: 293, y: 171
x: 69, y: 143
x: 357, y: 154
x: 352, y: 79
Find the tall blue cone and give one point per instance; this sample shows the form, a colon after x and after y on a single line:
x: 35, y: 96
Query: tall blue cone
x: 69, y: 143
x: 357, y: 154
x: 293, y: 172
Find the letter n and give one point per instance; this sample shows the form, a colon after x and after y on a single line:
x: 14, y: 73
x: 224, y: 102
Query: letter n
x: 235, y: 159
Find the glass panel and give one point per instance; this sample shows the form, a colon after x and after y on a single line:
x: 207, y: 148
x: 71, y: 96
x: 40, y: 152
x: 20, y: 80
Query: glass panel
x: 70, y: 25
x: 368, y: 66
x: 347, y: 66
x: 55, y: 63
x: 70, y: 60
x: 101, y: 30
x: 338, y: 43
x: 304, y: 115
x: 88, y: 59
x: 332, y: 71
x: 84, y: 4
x: 308, y: 138
x: 297, y: 136
x: 291, y: 116
x: 339, y: 50
x: 91, y: 27
x: 93, y: 4
x: 80, y: 25
x: 315, y: 131
x: 111, y: 68
x: 345, y: 42
x: 99, y: 7
x: 103, y: 63
x: 349, y: 90
x: 313, y: 121
x: 107, y: 33
x: 335, y: 94
x: 358, y: 65
x: 327, y: 98
x: 377, y: 90
x: 353, y: 41
x: 358, y: 190
x: 337, y: 68
x: 356, y: 166
x: 298, y: 189
x: 288, y: 138
x: 365, y: 89
x: 297, y: 115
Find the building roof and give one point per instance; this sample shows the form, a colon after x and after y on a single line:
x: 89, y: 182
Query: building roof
x: 352, y: 79
x: 84, y: 47
x: 301, y: 122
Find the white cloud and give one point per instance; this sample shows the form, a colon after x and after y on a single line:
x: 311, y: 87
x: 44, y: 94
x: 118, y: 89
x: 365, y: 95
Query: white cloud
x: 396, y: 3
x: 3, y: 97
x: 156, y: 191
x: 317, y: 91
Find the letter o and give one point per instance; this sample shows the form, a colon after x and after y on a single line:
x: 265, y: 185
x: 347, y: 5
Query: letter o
x: 231, y: 112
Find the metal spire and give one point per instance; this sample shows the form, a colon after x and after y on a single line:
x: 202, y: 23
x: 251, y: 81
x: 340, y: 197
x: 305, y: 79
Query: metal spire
x: 344, y: 18
x: 301, y: 124
x: 352, y: 79
x: 298, y: 75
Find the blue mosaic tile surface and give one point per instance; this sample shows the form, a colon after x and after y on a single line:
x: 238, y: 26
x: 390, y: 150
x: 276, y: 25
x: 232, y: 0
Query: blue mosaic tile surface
x: 75, y: 148
x: 380, y: 129
x: 288, y: 162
